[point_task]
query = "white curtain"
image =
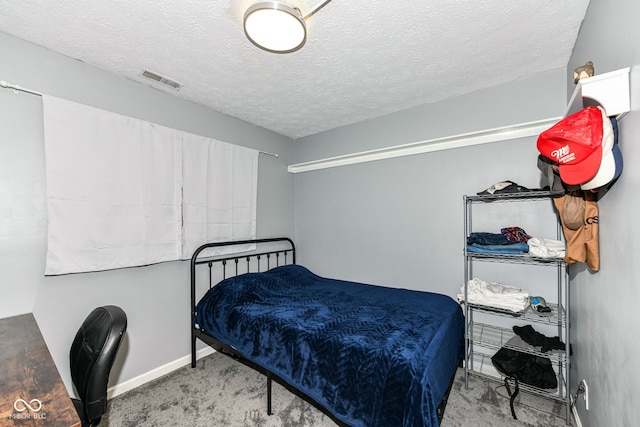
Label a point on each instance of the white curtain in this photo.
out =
(219, 194)
(115, 190)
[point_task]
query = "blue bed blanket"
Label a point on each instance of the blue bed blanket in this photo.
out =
(371, 355)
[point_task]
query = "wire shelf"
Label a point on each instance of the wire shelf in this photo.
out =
(514, 259)
(556, 317)
(483, 367)
(525, 195)
(495, 337)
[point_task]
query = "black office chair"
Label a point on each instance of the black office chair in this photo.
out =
(92, 354)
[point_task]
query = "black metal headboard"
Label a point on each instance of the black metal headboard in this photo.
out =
(269, 253)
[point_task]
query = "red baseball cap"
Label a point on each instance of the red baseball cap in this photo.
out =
(575, 143)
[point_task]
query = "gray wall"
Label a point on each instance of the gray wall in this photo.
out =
(605, 310)
(155, 297)
(409, 209)
(399, 222)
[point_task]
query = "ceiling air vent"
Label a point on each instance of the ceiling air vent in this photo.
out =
(162, 79)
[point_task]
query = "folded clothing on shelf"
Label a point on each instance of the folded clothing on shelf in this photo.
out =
(515, 234)
(504, 187)
(510, 241)
(546, 248)
(495, 295)
(507, 236)
(510, 249)
(514, 240)
(484, 238)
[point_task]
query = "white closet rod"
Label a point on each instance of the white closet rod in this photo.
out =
(7, 85)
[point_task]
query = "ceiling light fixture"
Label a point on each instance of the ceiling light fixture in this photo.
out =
(277, 27)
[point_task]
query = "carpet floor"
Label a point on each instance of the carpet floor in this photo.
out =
(222, 392)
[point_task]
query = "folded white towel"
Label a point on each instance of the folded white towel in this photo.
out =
(494, 294)
(546, 248)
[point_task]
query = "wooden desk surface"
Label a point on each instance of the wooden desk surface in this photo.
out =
(32, 393)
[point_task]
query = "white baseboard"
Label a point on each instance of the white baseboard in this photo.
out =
(118, 389)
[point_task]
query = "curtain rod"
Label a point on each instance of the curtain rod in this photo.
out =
(16, 88)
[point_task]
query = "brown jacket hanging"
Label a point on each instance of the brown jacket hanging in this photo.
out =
(582, 241)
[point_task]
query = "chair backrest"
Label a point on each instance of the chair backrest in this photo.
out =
(92, 354)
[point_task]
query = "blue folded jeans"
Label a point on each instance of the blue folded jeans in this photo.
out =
(487, 239)
(510, 249)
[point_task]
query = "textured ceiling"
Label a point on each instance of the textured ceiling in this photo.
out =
(361, 59)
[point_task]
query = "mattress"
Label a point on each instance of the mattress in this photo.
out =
(371, 355)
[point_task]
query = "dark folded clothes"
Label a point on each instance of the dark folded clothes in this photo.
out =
(515, 234)
(487, 239)
(504, 187)
(536, 339)
(509, 249)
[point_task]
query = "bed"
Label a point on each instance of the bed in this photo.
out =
(365, 355)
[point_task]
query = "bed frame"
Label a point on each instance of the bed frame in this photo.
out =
(280, 251)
